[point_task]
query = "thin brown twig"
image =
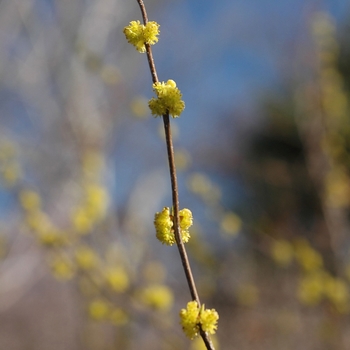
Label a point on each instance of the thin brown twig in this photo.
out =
(174, 189)
(179, 242)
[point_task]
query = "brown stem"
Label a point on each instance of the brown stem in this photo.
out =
(151, 64)
(175, 196)
(174, 190)
(143, 11)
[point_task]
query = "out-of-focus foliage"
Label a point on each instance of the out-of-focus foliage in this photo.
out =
(298, 170)
(274, 265)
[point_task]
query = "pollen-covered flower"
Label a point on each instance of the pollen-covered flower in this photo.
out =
(164, 223)
(186, 221)
(150, 32)
(138, 34)
(193, 317)
(168, 99)
(208, 320)
(189, 319)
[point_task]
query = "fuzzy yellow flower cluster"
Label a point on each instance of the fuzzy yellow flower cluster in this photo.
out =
(168, 99)
(101, 310)
(163, 223)
(308, 257)
(138, 34)
(62, 267)
(321, 285)
(98, 309)
(158, 296)
(117, 279)
(10, 168)
(282, 252)
(38, 222)
(92, 209)
(86, 258)
(194, 317)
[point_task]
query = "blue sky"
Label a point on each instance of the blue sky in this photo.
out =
(224, 55)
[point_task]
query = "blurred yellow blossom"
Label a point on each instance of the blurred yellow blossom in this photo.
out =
(93, 163)
(86, 258)
(117, 278)
(307, 257)
(201, 185)
(11, 173)
(231, 224)
(338, 188)
(282, 252)
(139, 107)
(30, 200)
(157, 296)
(337, 291)
(182, 159)
(62, 267)
(322, 25)
(52, 237)
(38, 222)
(119, 317)
(81, 221)
(311, 288)
(9, 166)
(321, 285)
(98, 310)
(96, 200)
